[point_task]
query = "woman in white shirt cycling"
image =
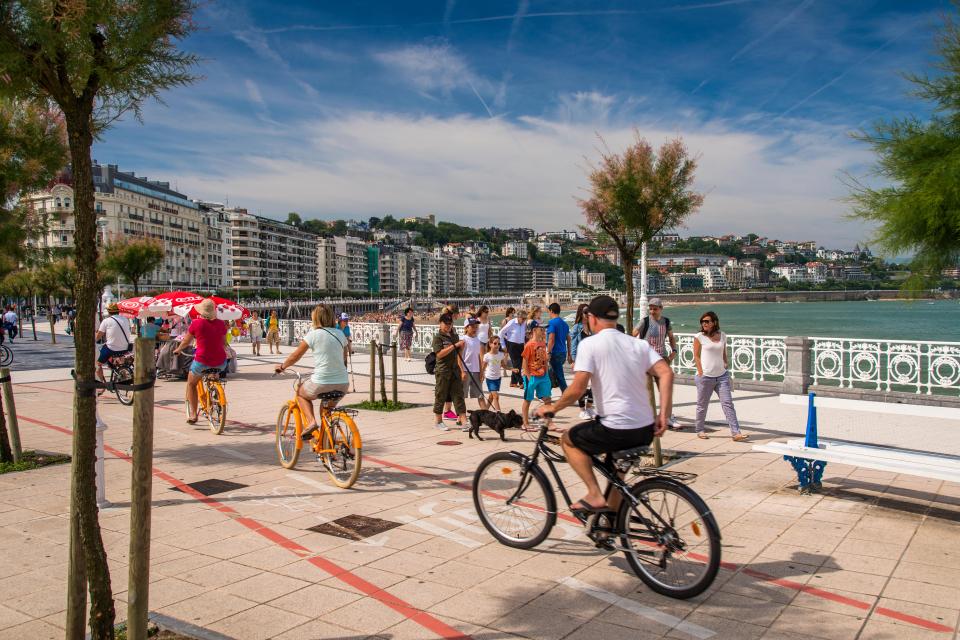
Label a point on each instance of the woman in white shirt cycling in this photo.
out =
(710, 356)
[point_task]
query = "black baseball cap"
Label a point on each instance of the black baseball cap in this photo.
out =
(604, 307)
(473, 321)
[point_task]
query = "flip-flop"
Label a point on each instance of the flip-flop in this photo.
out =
(588, 509)
(193, 420)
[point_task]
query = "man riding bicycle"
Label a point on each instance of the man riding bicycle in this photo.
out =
(114, 331)
(615, 365)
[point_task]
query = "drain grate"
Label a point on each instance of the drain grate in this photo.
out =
(213, 486)
(354, 527)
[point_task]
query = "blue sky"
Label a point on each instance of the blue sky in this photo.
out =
(488, 113)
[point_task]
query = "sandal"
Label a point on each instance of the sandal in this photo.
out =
(702, 435)
(580, 505)
(193, 420)
(740, 437)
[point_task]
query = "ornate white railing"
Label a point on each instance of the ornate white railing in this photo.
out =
(888, 365)
(360, 332)
(753, 357)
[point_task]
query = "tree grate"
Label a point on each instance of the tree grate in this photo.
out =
(213, 486)
(354, 527)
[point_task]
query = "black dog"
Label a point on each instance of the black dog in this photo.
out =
(496, 420)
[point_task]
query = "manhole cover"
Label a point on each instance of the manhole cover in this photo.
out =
(449, 443)
(354, 527)
(213, 486)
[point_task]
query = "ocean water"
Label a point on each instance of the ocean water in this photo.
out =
(936, 321)
(914, 320)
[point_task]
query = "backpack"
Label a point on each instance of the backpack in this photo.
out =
(430, 363)
(646, 325)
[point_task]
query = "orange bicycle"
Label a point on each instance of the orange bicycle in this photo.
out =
(336, 439)
(211, 400)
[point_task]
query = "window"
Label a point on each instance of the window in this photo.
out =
(66, 202)
(57, 202)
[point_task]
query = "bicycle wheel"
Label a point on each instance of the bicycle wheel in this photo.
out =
(341, 449)
(6, 356)
(122, 374)
(672, 539)
(217, 413)
(518, 509)
(287, 451)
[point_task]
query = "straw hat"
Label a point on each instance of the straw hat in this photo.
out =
(206, 309)
(113, 308)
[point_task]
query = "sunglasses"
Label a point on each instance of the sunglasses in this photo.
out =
(706, 321)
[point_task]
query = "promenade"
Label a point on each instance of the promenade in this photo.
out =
(875, 556)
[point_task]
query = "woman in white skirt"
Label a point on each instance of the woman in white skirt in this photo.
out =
(710, 356)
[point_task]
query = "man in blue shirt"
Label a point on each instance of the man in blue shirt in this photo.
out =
(558, 344)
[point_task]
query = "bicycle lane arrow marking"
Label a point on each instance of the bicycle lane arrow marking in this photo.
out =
(695, 630)
(424, 619)
(729, 566)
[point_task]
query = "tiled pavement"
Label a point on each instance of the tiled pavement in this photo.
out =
(876, 557)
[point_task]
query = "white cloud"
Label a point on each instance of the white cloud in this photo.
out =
(430, 67)
(586, 106)
(253, 92)
(481, 171)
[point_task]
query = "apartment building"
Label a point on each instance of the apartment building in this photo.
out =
(506, 276)
(515, 249)
(542, 279)
(288, 255)
(713, 277)
(684, 281)
(564, 279)
(593, 279)
(792, 273)
(130, 205)
(667, 261)
(550, 248)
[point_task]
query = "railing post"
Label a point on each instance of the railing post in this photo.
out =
(796, 380)
(373, 370)
(393, 363)
(13, 428)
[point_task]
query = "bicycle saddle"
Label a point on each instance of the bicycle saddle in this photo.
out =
(630, 454)
(331, 395)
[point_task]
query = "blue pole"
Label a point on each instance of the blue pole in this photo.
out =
(811, 440)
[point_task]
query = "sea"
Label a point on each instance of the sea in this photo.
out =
(933, 320)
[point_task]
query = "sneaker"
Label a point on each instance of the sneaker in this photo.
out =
(464, 428)
(441, 427)
(585, 415)
(450, 415)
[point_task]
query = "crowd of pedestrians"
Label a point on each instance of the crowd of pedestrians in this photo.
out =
(535, 355)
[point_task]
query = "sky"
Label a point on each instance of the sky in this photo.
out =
(491, 113)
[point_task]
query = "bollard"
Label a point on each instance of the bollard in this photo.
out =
(102, 502)
(373, 370)
(12, 426)
(141, 489)
(393, 363)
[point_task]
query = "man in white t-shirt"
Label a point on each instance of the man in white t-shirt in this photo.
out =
(609, 361)
(471, 355)
(114, 331)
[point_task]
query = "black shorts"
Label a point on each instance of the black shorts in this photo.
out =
(594, 438)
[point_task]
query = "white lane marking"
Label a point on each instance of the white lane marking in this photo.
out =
(316, 484)
(234, 454)
(464, 526)
(695, 630)
(429, 527)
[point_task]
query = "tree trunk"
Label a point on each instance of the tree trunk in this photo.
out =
(383, 375)
(84, 513)
(6, 453)
(136, 288)
(53, 327)
(628, 257)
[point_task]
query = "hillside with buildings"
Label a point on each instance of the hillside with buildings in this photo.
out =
(211, 246)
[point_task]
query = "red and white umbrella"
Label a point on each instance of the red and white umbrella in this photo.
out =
(166, 303)
(226, 310)
(131, 307)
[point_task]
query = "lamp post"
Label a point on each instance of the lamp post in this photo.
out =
(642, 303)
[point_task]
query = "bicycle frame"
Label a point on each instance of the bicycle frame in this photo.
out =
(323, 425)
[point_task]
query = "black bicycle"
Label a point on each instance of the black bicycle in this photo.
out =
(667, 532)
(6, 356)
(121, 377)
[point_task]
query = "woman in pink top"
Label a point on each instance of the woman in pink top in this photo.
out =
(211, 352)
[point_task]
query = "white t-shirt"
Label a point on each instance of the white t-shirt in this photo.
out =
(326, 345)
(116, 332)
(494, 370)
(10, 317)
(616, 363)
(483, 332)
(711, 355)
(471, 353)
(514, 331)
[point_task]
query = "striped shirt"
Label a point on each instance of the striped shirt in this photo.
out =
(657, 336)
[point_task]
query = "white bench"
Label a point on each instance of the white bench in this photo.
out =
(809, 461)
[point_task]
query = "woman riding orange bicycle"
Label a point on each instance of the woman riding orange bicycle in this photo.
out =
(329, 347)
(210, 335)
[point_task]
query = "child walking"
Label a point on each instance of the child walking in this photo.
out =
(492, 369)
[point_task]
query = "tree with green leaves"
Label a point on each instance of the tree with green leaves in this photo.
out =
(917, 206)
(56, 278)
(133, 259)
(94, 61)
(32, 151)
(637, 194)
(293, 218)
(21, 285)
